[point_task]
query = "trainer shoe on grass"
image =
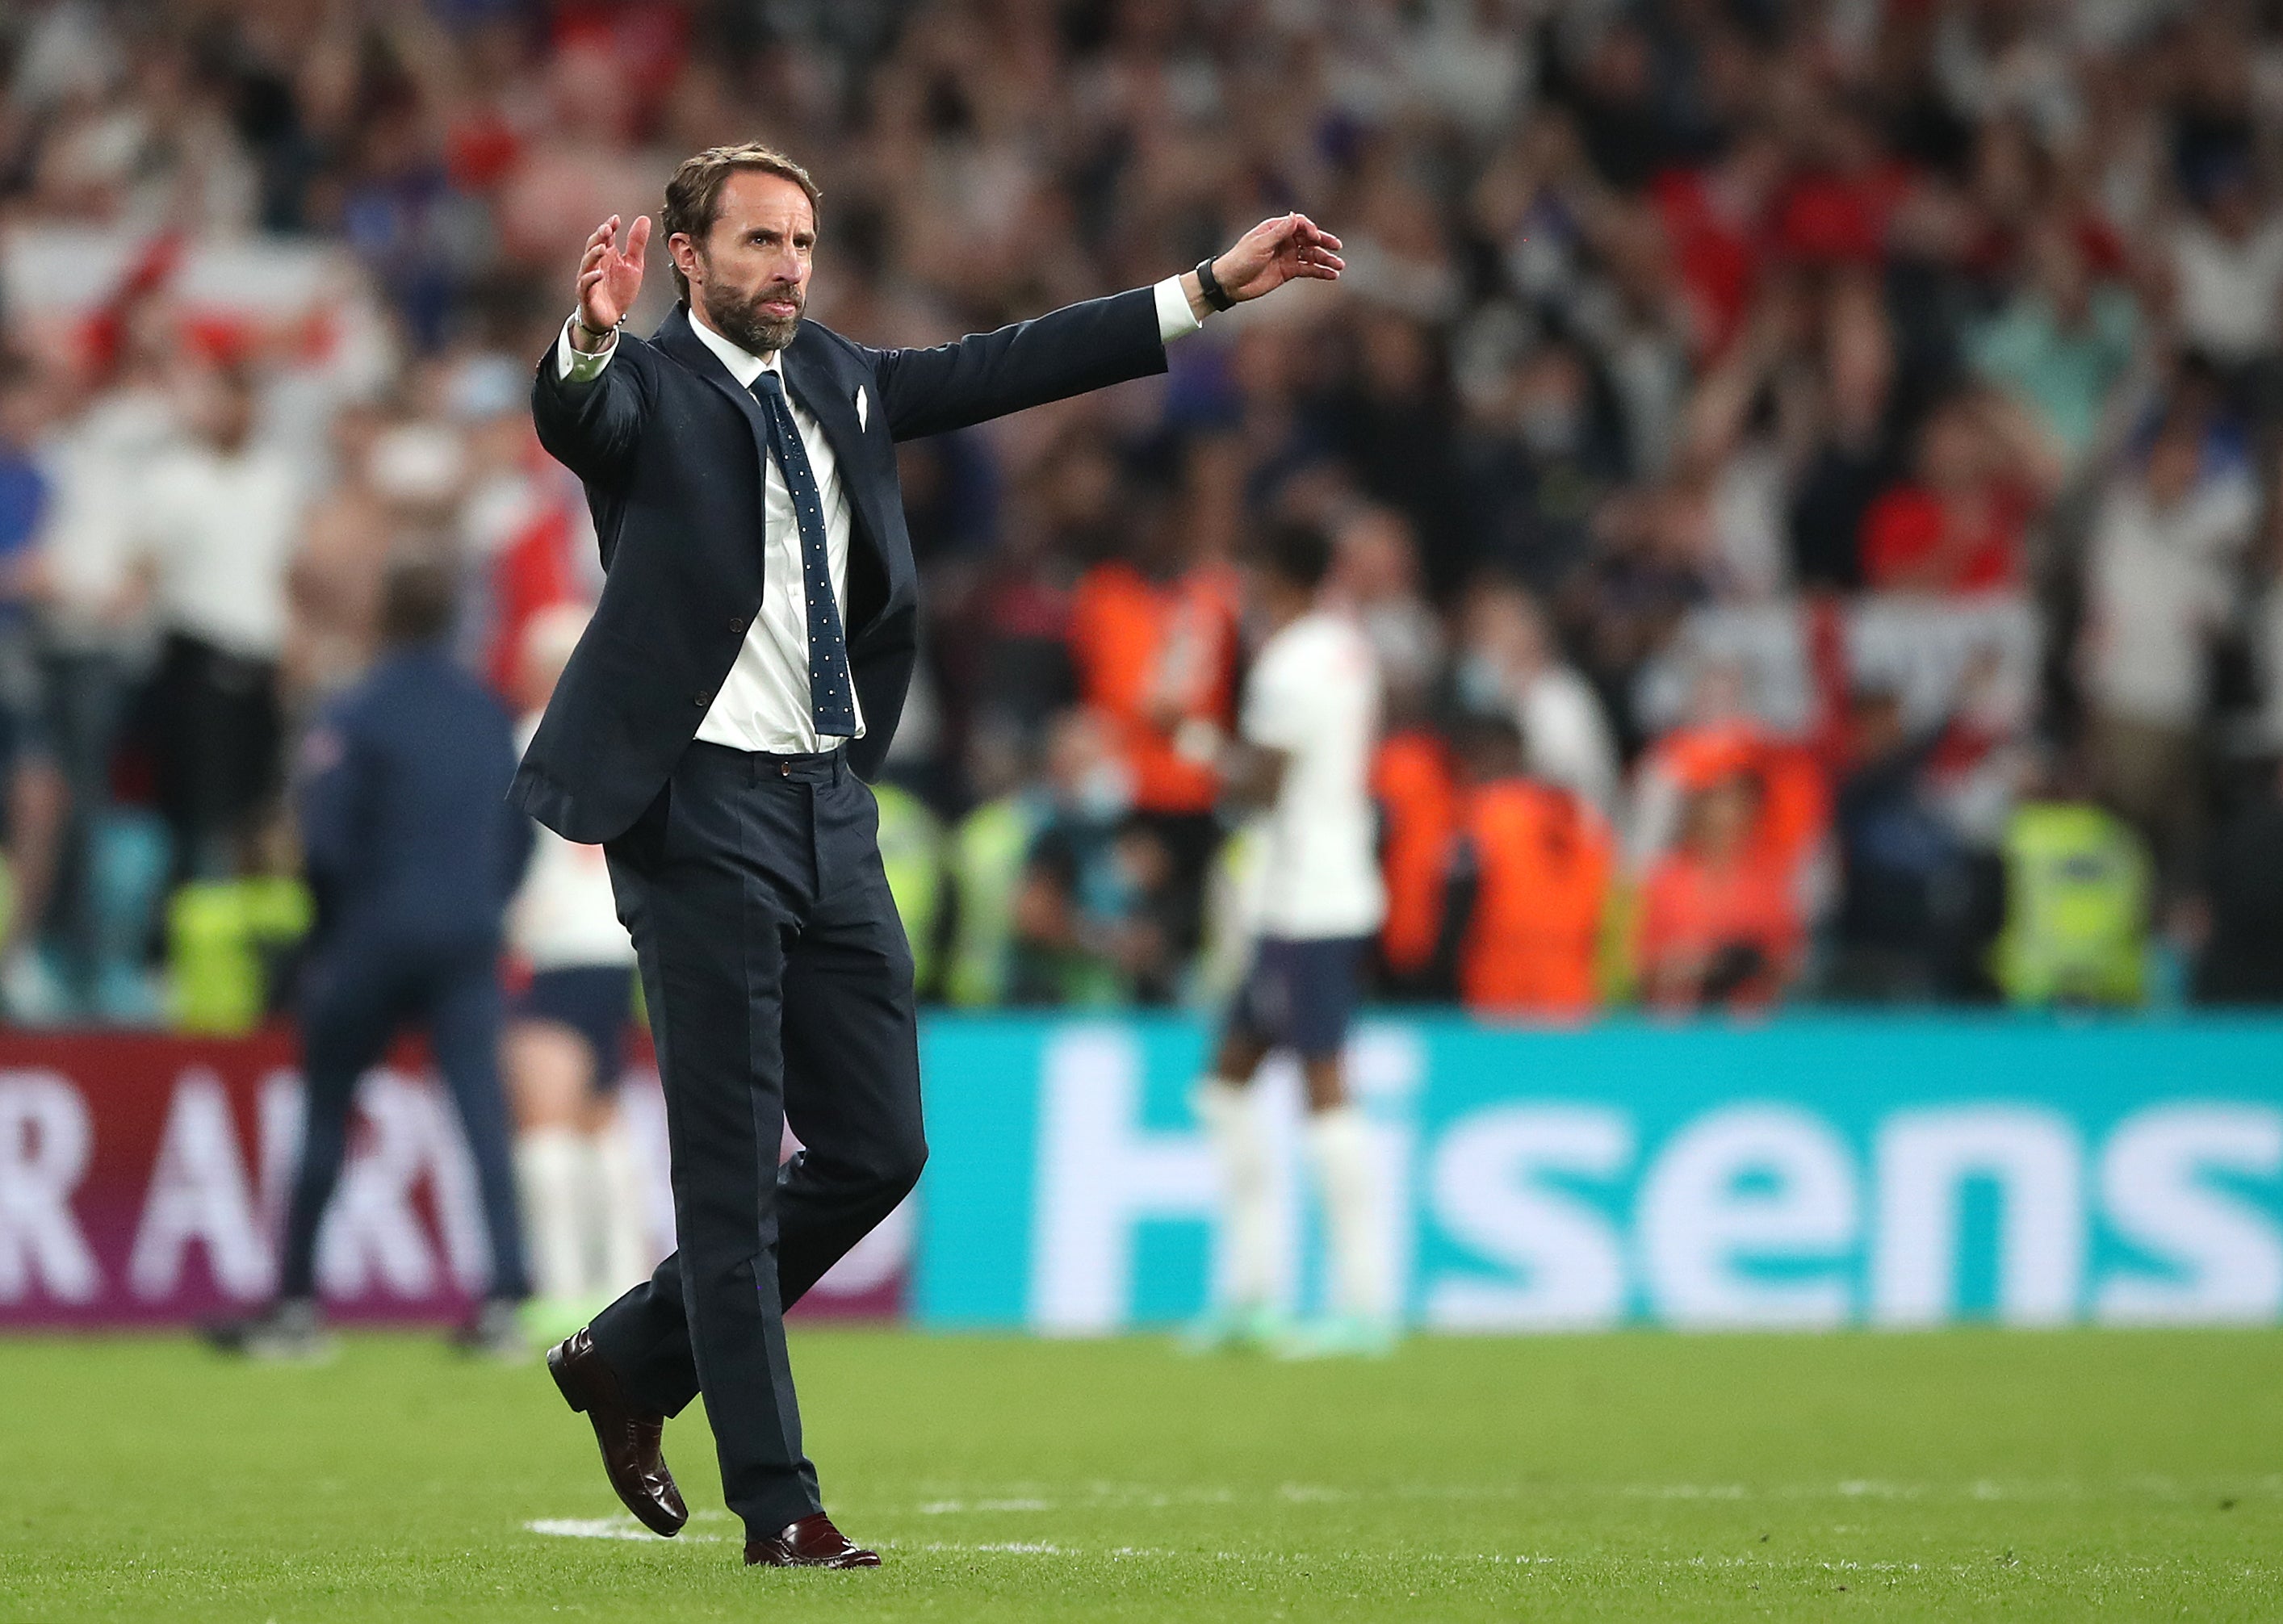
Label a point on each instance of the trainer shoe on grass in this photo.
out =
(1253, 1330)
(289, 1332)
(496, 1333)
(1340, 1336)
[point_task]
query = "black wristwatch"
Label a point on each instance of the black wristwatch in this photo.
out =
(1209, 285)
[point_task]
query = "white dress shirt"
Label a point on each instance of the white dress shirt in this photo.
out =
(765, 704)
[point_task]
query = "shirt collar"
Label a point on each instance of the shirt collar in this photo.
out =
(743, 365)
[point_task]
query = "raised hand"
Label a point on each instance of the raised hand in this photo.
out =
(609, 280)
(1276, 251)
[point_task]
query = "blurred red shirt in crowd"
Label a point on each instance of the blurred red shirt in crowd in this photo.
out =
(1957, 525)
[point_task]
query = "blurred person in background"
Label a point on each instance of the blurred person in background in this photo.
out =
(35, 794)
(1982, 473)
(1530, 875)
(1901, 863)
(1721, 734)
(564, 1048)
(1720, 925)
(1375, 577)
(92, 610)
(2079, 898)
(2062, 344)
(2160, 587)
(985, 852)
(332, 582)
(1415, 788)
(1310, 716)
(1080, 929)
(412, 853)
(1508, 659)
(2240, 919)
(217, 519)
(1153, 637)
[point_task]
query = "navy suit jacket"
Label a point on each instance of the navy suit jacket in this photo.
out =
(672, 451)
(407, 835)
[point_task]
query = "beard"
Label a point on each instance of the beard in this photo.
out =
(738, 318)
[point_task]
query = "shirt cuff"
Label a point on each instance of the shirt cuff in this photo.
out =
(1175, 319)
(576, 365)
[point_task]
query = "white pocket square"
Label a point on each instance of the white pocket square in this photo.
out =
(863, 408)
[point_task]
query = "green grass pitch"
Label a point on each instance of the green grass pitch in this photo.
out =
(1975, 1473)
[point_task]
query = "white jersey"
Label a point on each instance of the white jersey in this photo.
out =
(564, 916)
(1314, 695)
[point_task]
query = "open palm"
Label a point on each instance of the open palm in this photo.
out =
(609, 279)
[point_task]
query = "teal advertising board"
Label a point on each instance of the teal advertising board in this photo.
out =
(1806, 1172)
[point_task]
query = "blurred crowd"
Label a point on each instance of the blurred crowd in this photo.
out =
(1809, 470)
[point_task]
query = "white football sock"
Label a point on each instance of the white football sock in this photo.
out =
(550, 1165)
(1232, 1124)
(621, 1214)
(1340, 1147)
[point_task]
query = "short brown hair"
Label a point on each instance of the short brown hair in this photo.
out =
(693, 197)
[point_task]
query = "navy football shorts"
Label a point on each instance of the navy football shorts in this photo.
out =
(594, 1000)
(1300, 995)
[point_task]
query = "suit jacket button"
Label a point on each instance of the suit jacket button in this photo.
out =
(698, 700)
(737, 624)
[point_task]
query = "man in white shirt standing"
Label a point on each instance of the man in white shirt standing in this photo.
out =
(1310, 715)
(743, 673)
(217, 520)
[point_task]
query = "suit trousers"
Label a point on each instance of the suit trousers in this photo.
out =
(357, 993)
(779, 985)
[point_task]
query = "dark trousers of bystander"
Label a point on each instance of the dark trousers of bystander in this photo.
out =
(216, 740)
(357, 995)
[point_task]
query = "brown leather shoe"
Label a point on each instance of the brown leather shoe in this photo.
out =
(813, 1542)
(629, 1436)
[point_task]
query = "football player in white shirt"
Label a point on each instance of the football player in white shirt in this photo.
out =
(1307, 723)
(563, 1048)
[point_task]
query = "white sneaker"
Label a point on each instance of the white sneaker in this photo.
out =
(1340, 1336)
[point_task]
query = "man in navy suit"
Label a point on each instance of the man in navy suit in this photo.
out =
(741, 677)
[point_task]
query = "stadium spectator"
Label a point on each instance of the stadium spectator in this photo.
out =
(1901, 863)
(1154, 639)
(2166, 544)
(1530, 876)
(1958, 524)
(1720, 925)
(1083, 929)
(1508, 663)
(2077, 902)
(216, 519)
(1414, 786)
(2240, 959)
(34, 792)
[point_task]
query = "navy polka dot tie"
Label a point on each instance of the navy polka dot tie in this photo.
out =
(831, 693)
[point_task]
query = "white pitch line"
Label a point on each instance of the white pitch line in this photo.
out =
(608, 1528)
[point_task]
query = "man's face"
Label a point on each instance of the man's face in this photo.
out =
(750, 276)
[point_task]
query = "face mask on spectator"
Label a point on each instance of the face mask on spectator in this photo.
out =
(1482, 683)
(1103, 795)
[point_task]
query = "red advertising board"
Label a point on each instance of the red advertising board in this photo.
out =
(143, 1178)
